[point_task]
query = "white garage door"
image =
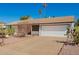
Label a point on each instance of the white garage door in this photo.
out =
(52, 30)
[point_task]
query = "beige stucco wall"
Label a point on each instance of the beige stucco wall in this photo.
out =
(23, 28)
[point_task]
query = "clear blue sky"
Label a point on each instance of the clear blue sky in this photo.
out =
(12, 12)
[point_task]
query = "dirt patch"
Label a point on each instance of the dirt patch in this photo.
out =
(32, 45)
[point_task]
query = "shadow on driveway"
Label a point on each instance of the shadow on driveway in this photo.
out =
(67, 42)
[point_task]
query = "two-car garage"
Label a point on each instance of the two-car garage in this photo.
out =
(58, 30)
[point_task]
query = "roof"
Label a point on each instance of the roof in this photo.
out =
(55, 20)
(65, 19)
(14, 23)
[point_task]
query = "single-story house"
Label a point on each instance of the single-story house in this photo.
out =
(56, 26)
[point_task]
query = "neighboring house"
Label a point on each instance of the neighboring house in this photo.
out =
(45, 26)
(2, 26)
(2, 29)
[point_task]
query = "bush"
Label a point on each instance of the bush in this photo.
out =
(76, 36)
(10, 30)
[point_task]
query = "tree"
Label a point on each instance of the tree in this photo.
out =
(10, 30)
(77, 22)
(76, 33)
(40, 11)
(24, 17)
(76, 36)
(53, 16)
(34, 4)
(44, 5)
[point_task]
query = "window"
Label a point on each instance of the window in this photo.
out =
(35, 28)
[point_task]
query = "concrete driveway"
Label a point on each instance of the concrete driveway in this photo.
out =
(32, 45)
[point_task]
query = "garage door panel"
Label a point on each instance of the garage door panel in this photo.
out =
(52, 33)
(52, 30)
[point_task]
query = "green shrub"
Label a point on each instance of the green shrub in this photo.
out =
(10, 30)
(76, 36)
